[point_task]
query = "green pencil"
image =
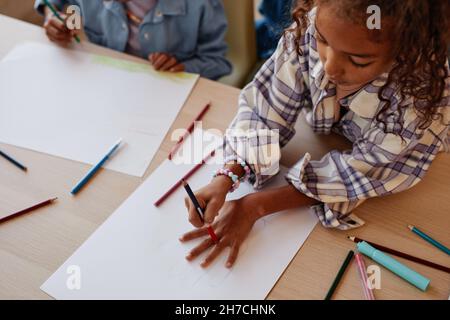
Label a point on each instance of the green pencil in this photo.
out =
(49, 5)
(340, 274)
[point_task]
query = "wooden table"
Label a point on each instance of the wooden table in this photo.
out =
(34, 246)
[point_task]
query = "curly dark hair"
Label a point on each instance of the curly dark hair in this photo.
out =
(419, 31)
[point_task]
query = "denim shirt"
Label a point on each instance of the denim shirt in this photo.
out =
(192, 31)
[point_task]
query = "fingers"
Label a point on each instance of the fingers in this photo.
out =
(57, 32)
(194, 217)
(160, 61)
(232, 256)
(194, 234)
(213, 254)
(57, 24)
(211, 211)
(198, 250)
(170, 63)
(177, 68)
(165, 62)
(205, 245)
(153, 56)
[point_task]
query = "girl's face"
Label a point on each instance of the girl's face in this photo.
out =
(349, 56)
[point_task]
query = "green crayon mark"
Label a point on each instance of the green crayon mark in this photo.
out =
(140, 68)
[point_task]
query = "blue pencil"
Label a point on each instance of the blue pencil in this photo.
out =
(429, 239)
(95, 168)
(13, 161)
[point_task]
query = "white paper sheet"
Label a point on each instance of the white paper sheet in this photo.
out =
(136, 254)
(76, 105)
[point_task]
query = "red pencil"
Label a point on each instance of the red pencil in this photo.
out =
(185, 177)
(24, 211)
(189, 131)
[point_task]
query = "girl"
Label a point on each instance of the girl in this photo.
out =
(386, 90)
(174, 35)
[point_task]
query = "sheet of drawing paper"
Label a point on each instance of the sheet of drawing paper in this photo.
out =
(76, 105)
(136, 254)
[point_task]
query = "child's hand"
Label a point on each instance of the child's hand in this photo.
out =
(211, 198)
(57, 31)
(165, 62)
(232, 227)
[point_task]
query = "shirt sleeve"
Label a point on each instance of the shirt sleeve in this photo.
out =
(58, 4)
(379, 164)
(268, 109)
(209, 59)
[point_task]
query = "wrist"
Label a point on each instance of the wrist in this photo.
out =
(255, 203)
(222, 183)
(236, 168)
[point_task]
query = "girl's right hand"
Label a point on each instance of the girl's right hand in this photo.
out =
(57, 31)
(211, 198)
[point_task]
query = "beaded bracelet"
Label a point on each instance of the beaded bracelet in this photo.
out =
(245, 167)
(234, 177)
(231, 175)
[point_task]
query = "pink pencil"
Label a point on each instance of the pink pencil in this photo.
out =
(368, 293)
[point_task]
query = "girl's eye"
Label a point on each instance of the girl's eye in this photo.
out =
(360, 65)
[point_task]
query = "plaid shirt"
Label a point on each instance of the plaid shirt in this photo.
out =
(380, 163)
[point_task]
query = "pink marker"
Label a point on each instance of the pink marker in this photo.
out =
(368, 293)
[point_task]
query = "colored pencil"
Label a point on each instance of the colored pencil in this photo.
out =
(53, 10)
(188, 131)
(13, 161)
(27, 210)
(194, 200)
(185, 177)
(95, 168)
(429, 239)
(402, 255)
(200, 211)
(339, 275)
(359, 260)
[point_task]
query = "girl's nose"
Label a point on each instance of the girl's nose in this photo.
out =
(333, 66)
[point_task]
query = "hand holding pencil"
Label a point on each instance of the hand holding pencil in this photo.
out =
(55, 27)
(211, 198)
(231, 228)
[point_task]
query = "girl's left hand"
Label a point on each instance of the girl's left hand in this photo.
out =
(232, 226)
(165, 62)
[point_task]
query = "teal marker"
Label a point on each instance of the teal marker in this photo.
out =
(393, 265)
(429, 239)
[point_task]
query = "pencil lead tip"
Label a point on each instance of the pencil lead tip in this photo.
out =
(410, 227)
(351, 238)
(54, 199)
